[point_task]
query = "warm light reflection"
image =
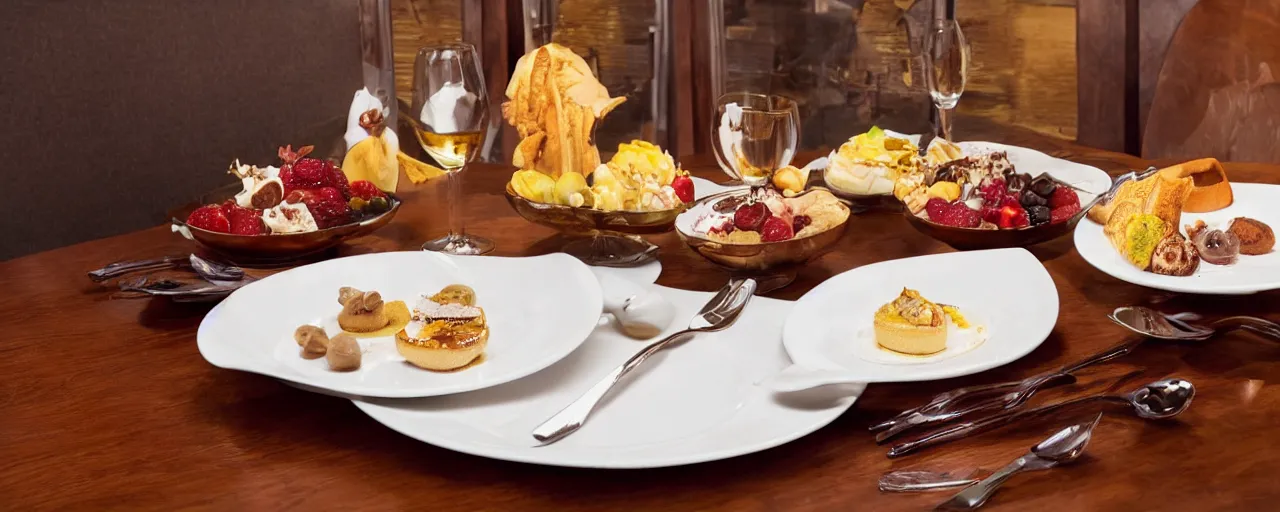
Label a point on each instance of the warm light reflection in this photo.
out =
(1250, 390)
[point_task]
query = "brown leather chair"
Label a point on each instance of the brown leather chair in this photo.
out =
(1218, 93)
(118, 110)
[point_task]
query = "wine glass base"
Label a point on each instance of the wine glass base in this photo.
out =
(461, 245)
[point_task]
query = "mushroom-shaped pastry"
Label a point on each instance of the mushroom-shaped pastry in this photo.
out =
(313, 340)
(344, 353)
(361, 311)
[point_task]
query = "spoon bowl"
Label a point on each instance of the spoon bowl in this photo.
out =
(1178, 327)
(1162, 399)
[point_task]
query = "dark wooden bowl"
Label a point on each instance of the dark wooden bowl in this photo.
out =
(972, 238)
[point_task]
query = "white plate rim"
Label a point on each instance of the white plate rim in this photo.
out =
(226, 360)
(921, 373)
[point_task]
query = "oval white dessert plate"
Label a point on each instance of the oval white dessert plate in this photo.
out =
(1007, 292)
(703, 187)
(539, 310)
(698, 401)
(1250, 274)
(1089, 181)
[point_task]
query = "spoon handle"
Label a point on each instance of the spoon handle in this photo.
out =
(119, 268)
(1251, 323)
(975, 496)
(966, 429)
(574, 415)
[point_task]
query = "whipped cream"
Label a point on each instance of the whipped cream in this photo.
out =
(428, 309)
(289, 218)
(365, 101)
(441, 111)
(254, 179)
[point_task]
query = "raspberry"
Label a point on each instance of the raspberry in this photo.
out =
(326, 205)
(990, 213)
(1064, 213)
(366, 190)
(244, 221)
(775, 230)
(210, 218)
(937, 207)
(799, 222)
(338, 180)
(750, 217)
(993, 190)
(1063, 196)
(959, 215)
(307, 173)
(683, 185)
(1012, 217)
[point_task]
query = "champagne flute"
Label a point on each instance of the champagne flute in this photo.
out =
(946, 67)
(755, 135)
(452, 110)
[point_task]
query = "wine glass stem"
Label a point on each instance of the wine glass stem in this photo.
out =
(944, 123)
(457, 225)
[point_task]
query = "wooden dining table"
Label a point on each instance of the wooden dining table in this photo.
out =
(106, 403)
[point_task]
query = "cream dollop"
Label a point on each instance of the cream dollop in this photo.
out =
(365, 101)
(289, 218)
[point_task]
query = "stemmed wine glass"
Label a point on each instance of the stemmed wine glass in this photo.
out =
(754, 135)
(946, 67)
(452, 115)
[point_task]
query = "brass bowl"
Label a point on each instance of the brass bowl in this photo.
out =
(585, 221)
(283, 248)
(762, 256)
(974, 238)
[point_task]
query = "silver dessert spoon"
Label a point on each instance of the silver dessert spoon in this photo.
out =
(1065, 446)
(1151, 323)
(718, 314)
(1158, 400)
(205, 268)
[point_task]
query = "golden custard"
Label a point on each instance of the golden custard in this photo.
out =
(911, 324)
(446, 333)
(398, 317)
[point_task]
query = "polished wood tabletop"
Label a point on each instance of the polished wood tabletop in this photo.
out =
(106, 403)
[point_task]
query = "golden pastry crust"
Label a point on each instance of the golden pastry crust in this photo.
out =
(1255, 237)
(911, 324)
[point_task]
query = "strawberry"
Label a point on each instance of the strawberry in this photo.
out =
(326, 205)
(338, 179)
(683, 186)
(365, 190)
(990, 213)
(750, 217)
(936, 207)
(1012, 217)
(775, 229)
(1063, 196)
(244, 221)
(210, 217)
(1065, 212)
(959, 215)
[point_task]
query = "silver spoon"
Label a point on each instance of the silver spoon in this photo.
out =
(718, 314)
(1154, 324)
(207, 269)
(1158, 400)
(1060, 448)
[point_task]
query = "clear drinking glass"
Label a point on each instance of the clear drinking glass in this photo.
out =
(946, 67)
(451, 111)
(754, 135)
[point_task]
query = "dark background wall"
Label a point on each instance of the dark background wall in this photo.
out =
(114, 111)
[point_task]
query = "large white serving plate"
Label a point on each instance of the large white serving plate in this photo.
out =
(1250, 274)
(1006, 290)
(698, 401)
(539, 310)
(1088, 181)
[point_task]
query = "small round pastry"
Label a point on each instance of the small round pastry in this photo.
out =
(344, 353)
(361, 311)
(304, 334)
(911, 325)
(1175, 256)
(443, 337)
(1255, 236)
(315, 348)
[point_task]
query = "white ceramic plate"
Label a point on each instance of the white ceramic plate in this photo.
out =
(539, 310)
(1250, 274)
(703, 188)
(698, 401)
(1007, 291)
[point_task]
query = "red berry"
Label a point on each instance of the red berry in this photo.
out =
(937, 207)
(338, 180)
(308, 173)
(210, 218)
(959, 215)
(366, 190)
(1063, 196)
(326, 205)
(1063, 213)
(1012, 217)
(776, 230)
(244, 221)
(993, 190)
(990, 213)
(749, 217)
(683, 186)
(800, 222)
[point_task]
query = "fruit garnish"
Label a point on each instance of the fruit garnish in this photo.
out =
(534, 186)
(326, 204)
(1063, 213)
(683, 185)
(959, 215)
(993, 191)
(775, 229)
(947, 190)
(244, 221)
(990, 213)
(799, 222)
(378, 205)
(936, 207)
(571, 189)
(1063, 196)
(210, 218)
(750, 217)
(1012, 217)
(366, 190)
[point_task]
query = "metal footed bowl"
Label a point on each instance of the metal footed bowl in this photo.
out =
(973, 238)
(759, 257)
(586, 221)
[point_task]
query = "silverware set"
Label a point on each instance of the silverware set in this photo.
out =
(216, 280)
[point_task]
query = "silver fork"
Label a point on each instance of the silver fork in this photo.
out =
(718, 314)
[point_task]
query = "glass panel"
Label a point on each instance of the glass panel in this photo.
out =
(619, 39)
(849, 64)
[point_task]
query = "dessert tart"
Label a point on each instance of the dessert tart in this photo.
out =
(1211, 191)
(911, 324)
(446, 333)
(361, 311)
